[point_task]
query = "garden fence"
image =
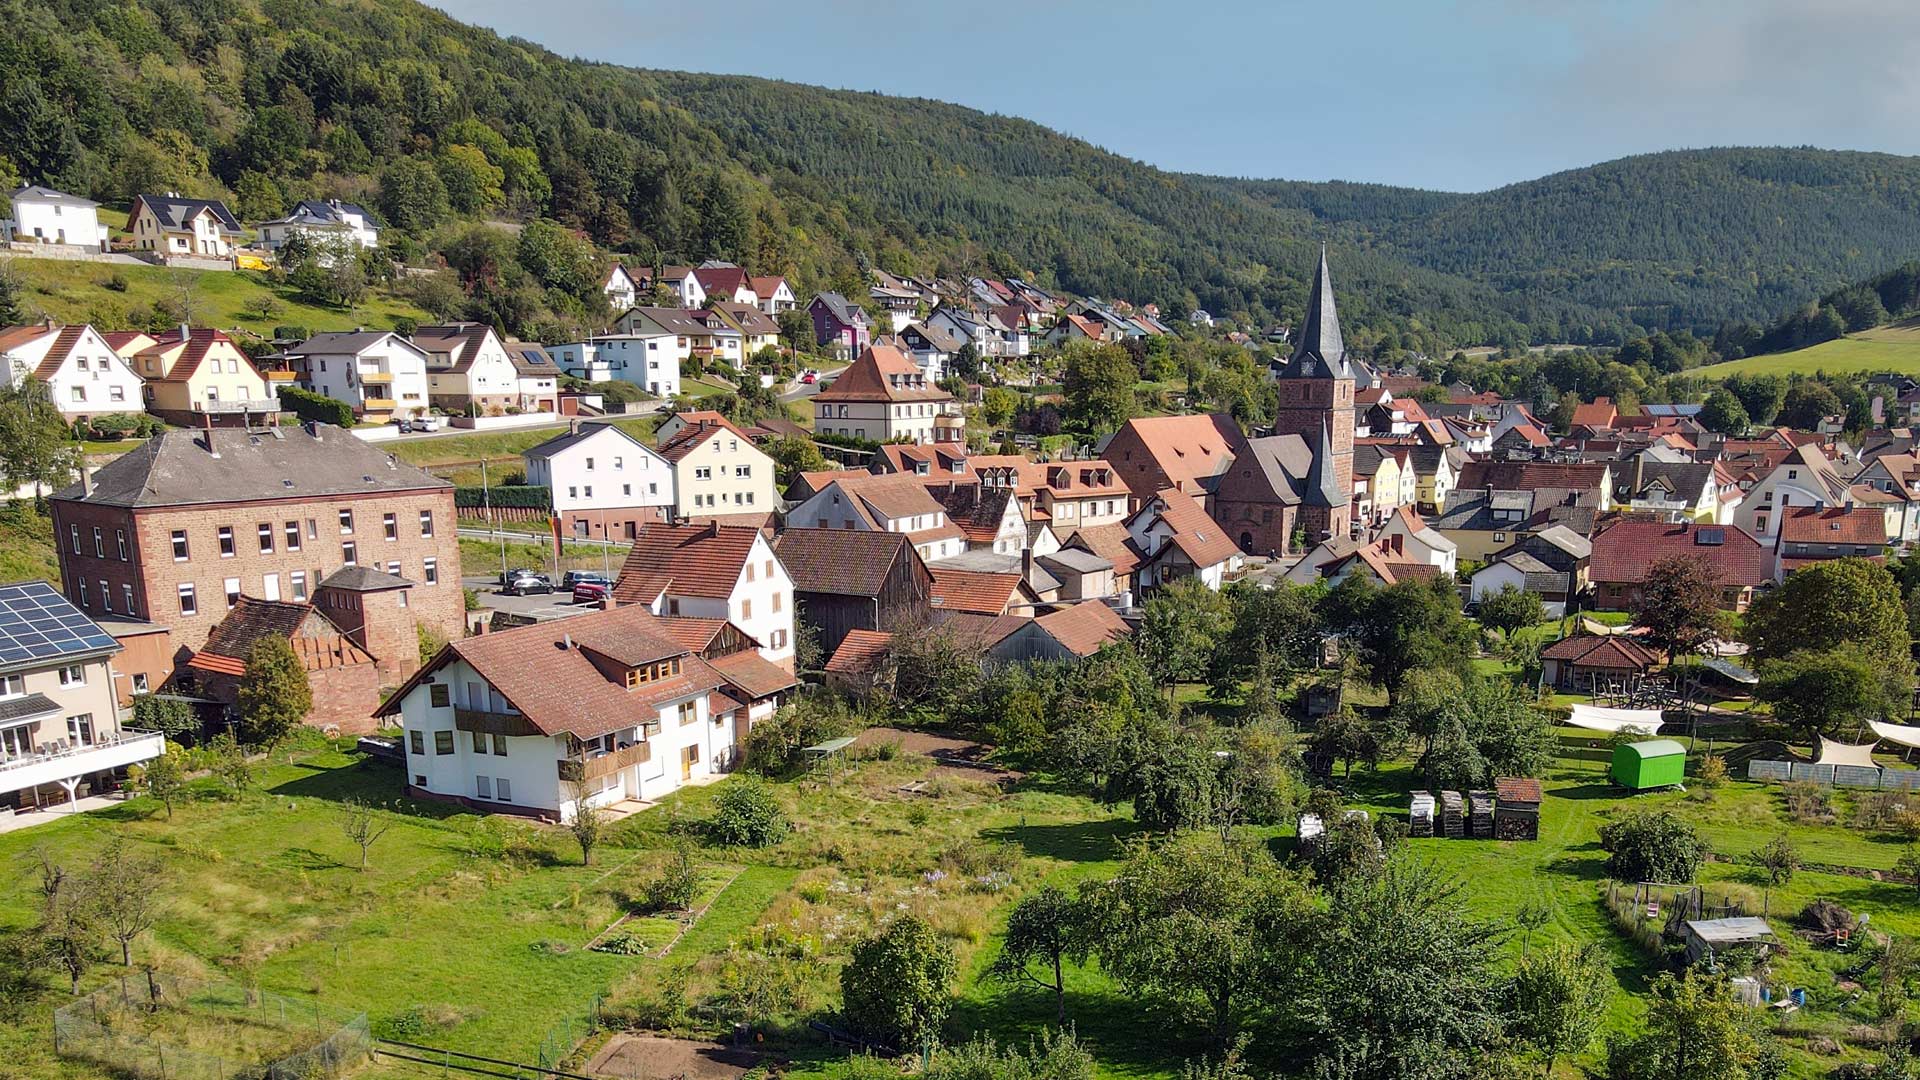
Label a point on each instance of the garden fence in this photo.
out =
(169, 1028)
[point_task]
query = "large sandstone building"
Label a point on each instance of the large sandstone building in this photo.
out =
(176, 531)
(1316, 403)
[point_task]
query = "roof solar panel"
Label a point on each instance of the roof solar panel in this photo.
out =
(37, 623)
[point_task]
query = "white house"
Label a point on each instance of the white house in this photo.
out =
(648, 359)
(775, 294)
(378, 372)
(713, 571)
(896, 502)
(1176, 539)
(326, 222)
(171, 225)
(80, 369)
(41, 215)
(468, 368)
(602, 708)
(1420, 543)
(599, 467)
(683, 335)
(621, 288)
(686, 287)
(1805, 479)
(885, 397)
(536, 377)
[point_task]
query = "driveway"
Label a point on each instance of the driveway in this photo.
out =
(557, 605)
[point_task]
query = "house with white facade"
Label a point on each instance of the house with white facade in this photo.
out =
(604, 708)
(725, 282)
(536, 377)
(170, 225)
(378, 372)
(60, 733)
(775, 294)
(325, 222)
(41, 215)
(897, 502)
(718, 471)
(1176, 539)
(683, 335)
(621, 288)
(469, 369)
(1896, 480)
(680, 279)
(645, 360)
(885, 397)
(1804, 479)
(81, 371)
(713, 571)
(1419, 542)
(605, 482)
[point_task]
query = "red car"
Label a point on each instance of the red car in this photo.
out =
(589, 592)
(808, 379)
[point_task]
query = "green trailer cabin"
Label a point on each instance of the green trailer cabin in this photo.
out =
(1650, 764)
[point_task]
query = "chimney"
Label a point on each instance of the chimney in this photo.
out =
(206, 434)
(86, 478)
(1026, 563)
(185, 331)
(573, 426)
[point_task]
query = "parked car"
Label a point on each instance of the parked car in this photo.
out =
(809, 379)
(427, 423)
(574, 577)
(591, 592)
(518, 571)
(528, 585)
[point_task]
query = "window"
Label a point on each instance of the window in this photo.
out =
(391, 524)
(99, 544)
(74, 531)
(120, 540)
(106, 595)
(432, 568)
(779, 639)
(442, 743)
(346, 521)
(426, 523)
(187, 604)
(417, 742)
(73, 675)
(1499, 538)
(126, 597)
(297, 584)
(293, 536)
(688, 712)
(749, 571)
(618, 462)
(573, 492)
(12, 685)
(770, 574)
(404, 602)
(743, 470)
(266, 537)
(589, 464)
(393, 567)
(503, 791)
(439, 695)
(270, 587)
(703, 473)
(313, 529)
(588, 490)
(139, 682)
(84, 602)
(80, 729)
(479, 742)
(348, 554)
(746, 609)
(233, 592)
(483, 788)
(225, 532)
(500, 747)
(776, 603)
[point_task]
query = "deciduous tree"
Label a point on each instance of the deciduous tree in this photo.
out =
(1556, 999)
(897, 987)
(1679, 604)
(1044, 930)
(274, 694)
(1694, 1030)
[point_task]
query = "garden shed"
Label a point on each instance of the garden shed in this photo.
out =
(1516, 815)
(1708, 937)
(1650, 764)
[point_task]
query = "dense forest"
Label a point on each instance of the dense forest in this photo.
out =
(435, 123)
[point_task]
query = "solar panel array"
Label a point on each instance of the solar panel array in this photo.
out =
(37, 623)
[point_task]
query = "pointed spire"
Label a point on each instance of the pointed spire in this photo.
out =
(1318, 351)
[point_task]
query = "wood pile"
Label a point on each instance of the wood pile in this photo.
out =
(1453, 823)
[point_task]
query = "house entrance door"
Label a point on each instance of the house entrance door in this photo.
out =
(688, 755)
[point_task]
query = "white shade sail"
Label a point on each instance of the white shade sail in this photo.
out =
(1839, 753)
(1596, 718)
(1904, 734)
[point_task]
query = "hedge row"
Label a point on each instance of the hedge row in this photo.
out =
(319, 408)
(532, 496)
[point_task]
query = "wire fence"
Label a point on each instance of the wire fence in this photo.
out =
(565, 1036)
(169, 1028)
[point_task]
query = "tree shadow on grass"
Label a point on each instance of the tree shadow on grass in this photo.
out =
(1127, 1036)
(376, 783)
(1589, 792)
(1086, 841)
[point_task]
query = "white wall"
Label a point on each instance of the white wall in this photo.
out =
(605, 471)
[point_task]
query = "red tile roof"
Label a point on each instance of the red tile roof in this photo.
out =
(859, 651)
(314, 638)
(1598, 415)
(882, 373)
(1516, 789)
(1110, 542)
(1834, 525)
(973, 591)
(695, 435)
(1600, 650)
(701, 560)
(1622, 554)
(844, 562)
(752, 674)
(1083, 628)
(1198, 536)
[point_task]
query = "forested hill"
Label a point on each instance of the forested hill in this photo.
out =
(432, 121)
(1690, 238)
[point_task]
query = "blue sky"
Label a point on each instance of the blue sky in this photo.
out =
(1459, 96)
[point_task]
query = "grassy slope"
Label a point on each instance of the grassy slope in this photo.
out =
(26, 545)
(78, 292)
(1886, 349)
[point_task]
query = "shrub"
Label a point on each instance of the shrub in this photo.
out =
(746, 814)
(291, 333)
(897, 988)
(1652, 845)
(1807, 801)
(116, 281)
(533, 496)
(677, 886)
(318, 408)
(405, 325)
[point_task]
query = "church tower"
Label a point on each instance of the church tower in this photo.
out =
(1316, 403)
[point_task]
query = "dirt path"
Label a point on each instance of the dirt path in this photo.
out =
(964, 757)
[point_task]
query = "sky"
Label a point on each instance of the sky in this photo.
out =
(1457, 96)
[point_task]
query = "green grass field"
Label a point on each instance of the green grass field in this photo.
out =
(80, 292)
(26, 544)
(1889, 348)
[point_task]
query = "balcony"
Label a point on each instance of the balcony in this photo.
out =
(281, 376)
(378, 404)
(382, 377)
(597, 765)
(61, 761)
(493, 723)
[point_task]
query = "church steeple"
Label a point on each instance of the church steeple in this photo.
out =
(1318, 351)
(1323, 486)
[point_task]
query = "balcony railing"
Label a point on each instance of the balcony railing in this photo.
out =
(493, 723)
(281, 376)
(376, 376)
(378, 403)
(238, 405)
(594, 766)
(62, 760)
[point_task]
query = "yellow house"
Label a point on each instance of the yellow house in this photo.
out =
(171, 225)
(717, 471)
(196, 374)
(1389, 486)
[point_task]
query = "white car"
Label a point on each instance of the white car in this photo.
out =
(421, 423)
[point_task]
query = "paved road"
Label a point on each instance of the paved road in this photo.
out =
(476, 532)
(803, 391)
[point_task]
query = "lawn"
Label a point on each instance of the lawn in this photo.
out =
(1890, 348)
(244, 299)
(26, 544)
(450, 454)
